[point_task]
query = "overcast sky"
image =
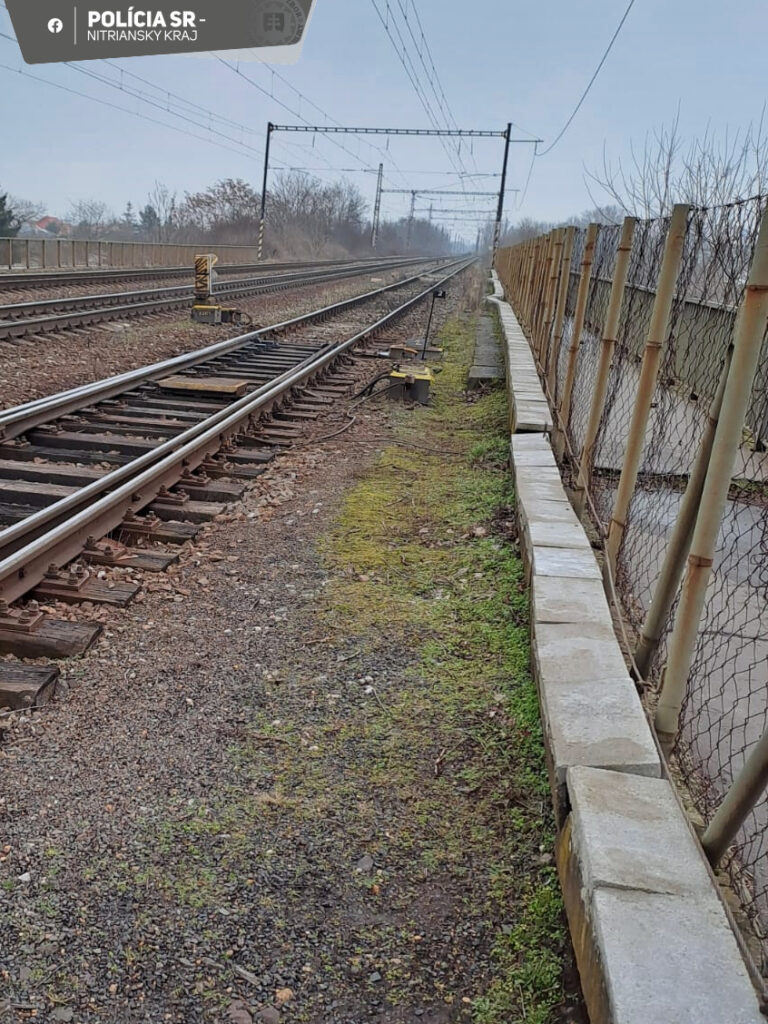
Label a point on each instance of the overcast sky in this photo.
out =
(498, 61)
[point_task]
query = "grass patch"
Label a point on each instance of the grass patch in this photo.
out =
(425, 558)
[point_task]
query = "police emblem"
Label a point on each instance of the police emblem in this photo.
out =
(279, 22)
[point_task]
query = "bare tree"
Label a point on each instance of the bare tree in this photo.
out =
(709, 171)
(165, 205)
(90, 215)
(226, 212)
(27, 210)
(328, 216)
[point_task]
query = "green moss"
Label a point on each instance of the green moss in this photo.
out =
(419, 562)
(442, 766)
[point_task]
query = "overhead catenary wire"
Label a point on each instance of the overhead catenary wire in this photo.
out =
(181, 100)
(540, 153)
(433, 78)
(276, 74)
(116, 106)
(413, 76)
(236, 69)
(591, 82)
(105, 80)
(296, 113)
(171, 100)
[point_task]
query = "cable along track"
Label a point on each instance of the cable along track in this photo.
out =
(78, 465)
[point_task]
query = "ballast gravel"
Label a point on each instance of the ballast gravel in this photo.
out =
(127, 894)
(33, 367)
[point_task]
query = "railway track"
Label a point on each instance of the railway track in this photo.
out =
(21, 319)
(20, 280)
(149, 455)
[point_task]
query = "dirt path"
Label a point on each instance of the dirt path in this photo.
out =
(302, 780)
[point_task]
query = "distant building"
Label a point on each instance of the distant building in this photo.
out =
(28, 230)
(53, 227)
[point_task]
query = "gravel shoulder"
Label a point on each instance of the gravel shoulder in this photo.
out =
(302, 778)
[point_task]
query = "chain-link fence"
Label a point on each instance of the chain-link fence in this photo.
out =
(725, 710)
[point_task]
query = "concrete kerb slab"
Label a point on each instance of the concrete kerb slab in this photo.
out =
(488, 362)
(529, 411)
(498, 290)
(594, 723)
(570, 653)
(578, 564)
(652, 939)
(630, 834)
(557, 599)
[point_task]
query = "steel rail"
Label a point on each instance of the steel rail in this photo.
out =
(125, 304)
(182, 291)
(25, 567)
(21, 418)
(21, 279)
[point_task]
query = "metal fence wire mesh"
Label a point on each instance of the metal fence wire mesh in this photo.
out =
(726, 706)
(607, 455)
(579, 240)
(601, 275)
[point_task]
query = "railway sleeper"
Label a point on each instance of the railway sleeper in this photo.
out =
(106, 443)
(47, 637)
(76, 476)
(150, 527)
(76, 586)
(26, 686)
(34, 494)
(89, 424)
(63, 456)
(170, 509)
(202, 488)
(295, 414)
(166, 413)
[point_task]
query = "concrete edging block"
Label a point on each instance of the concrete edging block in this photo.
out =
(568, 600)
(577, 563)
(652, 939)
(577, 652)
(597, 724)
(528, 408)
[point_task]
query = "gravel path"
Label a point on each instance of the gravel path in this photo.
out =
(219, 821)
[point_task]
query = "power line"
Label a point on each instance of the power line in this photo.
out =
(142, 97)
(297, 114)
(591, 82)
(115, 106)
(433, 78)
(319, 109)
(469, 175)
(438, 192)
(528, 179)
(412, 74)
(434, 210)
(180, 100)
(137, 94)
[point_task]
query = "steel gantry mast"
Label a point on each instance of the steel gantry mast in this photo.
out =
(377, 207)
(444, 132)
